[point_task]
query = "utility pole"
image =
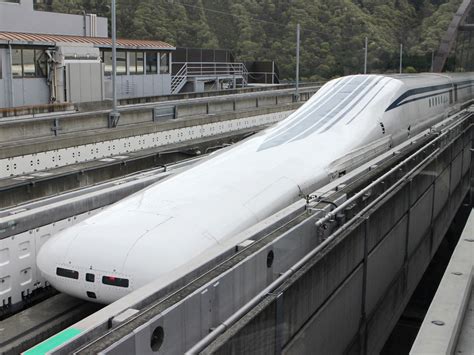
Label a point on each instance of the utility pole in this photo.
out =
(366, 54)
(401, 58)
(432, 60)
(297, 93)
(114, 115)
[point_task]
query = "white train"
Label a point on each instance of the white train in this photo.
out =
(162, 230)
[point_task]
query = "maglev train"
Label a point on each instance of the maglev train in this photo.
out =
(186, 219)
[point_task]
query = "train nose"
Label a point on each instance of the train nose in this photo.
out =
(87, 260)
(73, 264)
(45, 260)
(51, 263)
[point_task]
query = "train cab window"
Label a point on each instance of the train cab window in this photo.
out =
(90, 277)
(114, 281)
(71, 274)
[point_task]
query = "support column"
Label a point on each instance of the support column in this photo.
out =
(10, 96)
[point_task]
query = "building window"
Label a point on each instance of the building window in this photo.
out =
(29, 63)
(135, 65)
(140, 64)
(107, 60)
(164, 63)
(121, 63)
(17, 70)
(151, 63)
(41, 66)
(132, 64)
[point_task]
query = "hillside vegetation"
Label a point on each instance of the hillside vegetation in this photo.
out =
(332, 38)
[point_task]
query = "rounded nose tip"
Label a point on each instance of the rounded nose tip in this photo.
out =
(45, 260)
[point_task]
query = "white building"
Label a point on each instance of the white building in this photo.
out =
(49, 57)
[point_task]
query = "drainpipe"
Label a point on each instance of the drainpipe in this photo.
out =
(10, 77)
(52, 77)
(84, 15)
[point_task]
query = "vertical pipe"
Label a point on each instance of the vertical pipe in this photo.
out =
(114, 58)
(114, 115)
(401, 58)
(297, 61)
(432, 61)
(273, 73)
(84, 25)
(10, 77)
(366, 52)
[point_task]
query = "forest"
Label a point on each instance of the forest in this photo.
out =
(333, 32)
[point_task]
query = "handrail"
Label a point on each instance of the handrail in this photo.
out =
(203, 69)
(178, 80)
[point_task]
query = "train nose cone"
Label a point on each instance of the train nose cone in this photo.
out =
(52, 255)
(84, 258)
(47, 257)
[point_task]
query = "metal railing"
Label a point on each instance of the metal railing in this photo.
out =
(179, 79)
(207, 69)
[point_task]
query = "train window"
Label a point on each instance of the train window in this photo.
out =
(71, 274)
(114, 281)
(90, 277)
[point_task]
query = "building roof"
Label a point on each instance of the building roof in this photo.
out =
(102, 42)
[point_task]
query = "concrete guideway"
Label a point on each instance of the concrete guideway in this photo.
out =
(448, 327)
(29, 145)
(436, 174)
(20, 189)
(23, 330)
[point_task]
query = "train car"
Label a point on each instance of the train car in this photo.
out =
(171, 227)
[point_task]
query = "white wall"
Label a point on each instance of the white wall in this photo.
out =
(129, 86)
(3, 82)
(22, 18)
(30, 91)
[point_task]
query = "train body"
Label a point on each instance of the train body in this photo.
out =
(185, 220)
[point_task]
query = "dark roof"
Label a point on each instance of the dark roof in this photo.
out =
(102, 42)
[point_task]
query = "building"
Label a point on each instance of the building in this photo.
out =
(54, 58)
(50, 57)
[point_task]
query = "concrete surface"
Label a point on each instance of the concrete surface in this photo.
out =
(449, 324)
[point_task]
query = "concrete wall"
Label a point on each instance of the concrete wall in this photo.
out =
(21, 18)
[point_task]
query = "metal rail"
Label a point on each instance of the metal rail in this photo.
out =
(361, 193)
(218, 70)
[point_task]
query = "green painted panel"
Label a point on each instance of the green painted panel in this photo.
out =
(53, 342)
